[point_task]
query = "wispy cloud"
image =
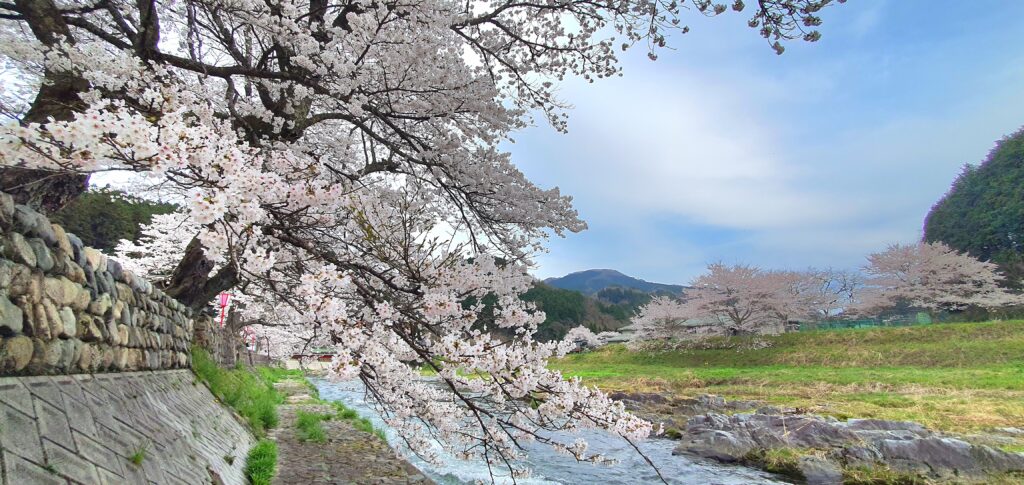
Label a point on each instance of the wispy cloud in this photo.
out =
(812, 159)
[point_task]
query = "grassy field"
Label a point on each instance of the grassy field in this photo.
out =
(965, 377)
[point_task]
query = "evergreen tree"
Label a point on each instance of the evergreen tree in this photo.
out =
(983, 212)
(104, 216)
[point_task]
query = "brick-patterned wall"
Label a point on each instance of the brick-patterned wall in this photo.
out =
(66, 308)
(85, 429)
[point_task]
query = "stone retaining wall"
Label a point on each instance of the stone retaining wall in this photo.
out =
(66, 308)
(86, 429)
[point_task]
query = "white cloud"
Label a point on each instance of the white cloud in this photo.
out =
(795, 177)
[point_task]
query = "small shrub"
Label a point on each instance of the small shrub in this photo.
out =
(138, 456)
(261, 463)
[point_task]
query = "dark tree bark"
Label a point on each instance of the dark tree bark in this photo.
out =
(58, 99)
(191, 284)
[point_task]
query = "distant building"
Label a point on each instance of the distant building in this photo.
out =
(625, 334)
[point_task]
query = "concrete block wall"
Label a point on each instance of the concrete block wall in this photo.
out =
(138, 428)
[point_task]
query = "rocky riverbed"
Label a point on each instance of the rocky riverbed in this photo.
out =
(824, 449)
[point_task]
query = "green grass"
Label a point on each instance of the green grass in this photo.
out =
(952, 377)
(277, 374)
(362, 424)
(261, 462)
(138, 456)
(309, 426)
(783, 461)
(250, 393)
(880, 475)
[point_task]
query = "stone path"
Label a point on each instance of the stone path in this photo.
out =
(349, 456)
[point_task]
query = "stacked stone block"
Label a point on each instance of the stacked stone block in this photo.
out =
(66, 308)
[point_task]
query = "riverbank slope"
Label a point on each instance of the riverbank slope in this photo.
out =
(964, 378)
(964, 381)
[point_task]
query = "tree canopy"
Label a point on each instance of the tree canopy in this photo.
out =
(567, 309)
(102, 218)
(983, 212)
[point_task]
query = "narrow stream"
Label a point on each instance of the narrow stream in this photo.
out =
(553, 468)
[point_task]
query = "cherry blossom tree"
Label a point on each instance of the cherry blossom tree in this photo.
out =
(340, 160)
(159, 248)
(934, 277)
(662, 318)
(833, 291)
(581, 338)
(730, 300)
(746, 298)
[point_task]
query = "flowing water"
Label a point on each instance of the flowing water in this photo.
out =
(553, 468)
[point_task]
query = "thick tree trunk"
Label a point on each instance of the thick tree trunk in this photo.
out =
(191, 283)
(57, 99)
(42, 190)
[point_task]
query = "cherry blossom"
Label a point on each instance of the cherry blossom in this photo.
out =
(337, 165)
(931, 276)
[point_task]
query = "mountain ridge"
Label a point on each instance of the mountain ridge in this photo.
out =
(591, 281)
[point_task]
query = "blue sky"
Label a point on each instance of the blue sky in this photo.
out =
(721, 150)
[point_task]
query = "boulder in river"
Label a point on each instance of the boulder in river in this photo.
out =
(902, 446)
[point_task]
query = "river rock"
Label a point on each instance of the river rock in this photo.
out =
(69, 323)
(24, 219)
(115, 270)
(96, 260)
(77, 250)
(11, 317)
(948, 457)
(63, 243)
(6, 211)
(122, 334)
(61, 290)
(73, 271)
(904, 446)
(26, 283)
(68, 351)
(100, 305)
(44, 259)
(19, 250)
(7, 270)
(111, 334)
(106, 357)
(820, 471)
(90, 331)
(86, 356)
(15, 353)
(46, 356)
(38, 323)
(718, 445)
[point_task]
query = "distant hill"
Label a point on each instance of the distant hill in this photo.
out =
(591, 281)
(566, 309)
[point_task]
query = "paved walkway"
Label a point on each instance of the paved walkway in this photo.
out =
(349, 456)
